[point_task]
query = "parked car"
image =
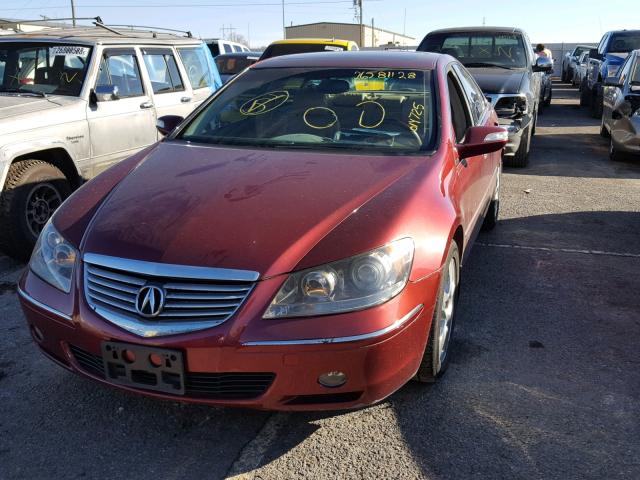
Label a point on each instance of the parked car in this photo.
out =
(504, 66)
(621, 109)
(605, 61)
(307, 45)
(219, 46)
(231, 64)
(546, 86)
(76, 101)
(570, 62)
(580, 71)
(282, 245)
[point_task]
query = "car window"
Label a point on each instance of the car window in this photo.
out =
(460, 116)
(236, 48)
(197, 67)
(479, 49)
(624, 42)
(321, 109)
(163, 72)
(46, 68)
(474, 94)
(121, 69)
(635, 72)
(215, 49)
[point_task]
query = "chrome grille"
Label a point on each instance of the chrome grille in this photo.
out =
(194, 297)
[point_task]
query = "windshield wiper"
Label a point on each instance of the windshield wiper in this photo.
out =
(488, 65)
(28, 92)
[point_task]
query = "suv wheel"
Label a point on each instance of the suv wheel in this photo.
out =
(613, 153)
(436, 354)
(34, 189)
(585, 95)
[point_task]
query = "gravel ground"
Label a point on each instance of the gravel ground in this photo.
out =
(544, 381)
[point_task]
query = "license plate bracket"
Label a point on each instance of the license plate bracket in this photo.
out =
(148, 368)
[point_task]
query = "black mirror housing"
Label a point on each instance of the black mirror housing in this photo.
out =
(168, 123)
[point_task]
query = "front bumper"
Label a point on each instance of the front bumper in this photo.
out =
(377, 361)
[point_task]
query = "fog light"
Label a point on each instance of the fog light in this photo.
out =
(332, 379)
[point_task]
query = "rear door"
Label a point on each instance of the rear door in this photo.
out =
(120, 127)
(201, 72)
(167, 84)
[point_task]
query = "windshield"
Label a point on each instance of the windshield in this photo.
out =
(233, 65)
(580, 50)
(45, 68)
(479, 49)
(381, 110)
(624, 42)
(280, 49)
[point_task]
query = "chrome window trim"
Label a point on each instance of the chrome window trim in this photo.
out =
(154, 269)
(42, 306)
(353, 338)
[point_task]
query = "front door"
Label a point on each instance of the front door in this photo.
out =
(125, 124)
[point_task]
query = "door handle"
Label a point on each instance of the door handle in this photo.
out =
(185, 99)
(146, 104)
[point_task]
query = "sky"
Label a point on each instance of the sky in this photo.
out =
(546, 21)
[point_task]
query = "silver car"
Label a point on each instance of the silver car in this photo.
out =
(570, 62)
(75, 101)
(580, 71)
(621, 109)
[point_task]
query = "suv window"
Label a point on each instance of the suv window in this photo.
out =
(474, 93)
(459, 113)
(163, 72)
(197, 67)
(121, 69)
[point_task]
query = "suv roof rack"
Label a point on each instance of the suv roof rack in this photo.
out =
(150, 29)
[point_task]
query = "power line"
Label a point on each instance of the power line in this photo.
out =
(191, 5)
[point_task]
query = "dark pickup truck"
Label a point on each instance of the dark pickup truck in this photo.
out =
(504, 66)
(605, 61)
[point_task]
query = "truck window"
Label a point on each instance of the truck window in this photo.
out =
(121, 70)
(163, 72)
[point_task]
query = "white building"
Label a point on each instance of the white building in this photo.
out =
(365, 36)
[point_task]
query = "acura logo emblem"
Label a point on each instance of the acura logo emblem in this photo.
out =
(150, 301)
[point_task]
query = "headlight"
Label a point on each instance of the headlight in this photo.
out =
(612, 70)
(511, 107)
(351, 284)
(53, 258)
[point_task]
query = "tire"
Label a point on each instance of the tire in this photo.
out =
(535, 124)
(547, 102)
(604, 133)
(33, 190)
(597, 102)
(565, 76)
(585, 95)
(491, 218)
(614, 154)
(521, 158)
(436, 354)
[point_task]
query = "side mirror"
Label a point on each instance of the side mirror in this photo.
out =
(482, 140)
(543, 64)
(593, 53)
(612, 82)
(106, 93)
(168, 123)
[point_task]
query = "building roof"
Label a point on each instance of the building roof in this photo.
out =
(351, 25)
(355, 60)
(97, 35)
(314, 41)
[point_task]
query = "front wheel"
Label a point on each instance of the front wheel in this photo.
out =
(491, 219)
(33, 190)
(521, 157)
(585, 95)
(614, 154)
(436, 354)
(597, 102)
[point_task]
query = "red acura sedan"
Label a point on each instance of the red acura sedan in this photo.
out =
(296, 243)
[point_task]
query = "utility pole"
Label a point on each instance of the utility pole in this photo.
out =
(284, 28)
(73, 12)
(357, 4)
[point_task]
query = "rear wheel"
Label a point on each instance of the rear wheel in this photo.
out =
(436, 354)
(34, 189)
(585, 95)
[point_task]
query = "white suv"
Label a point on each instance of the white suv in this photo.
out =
(74, 102)
(219, 46)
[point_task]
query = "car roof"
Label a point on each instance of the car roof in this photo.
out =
(239, 54)
(354, 59)
(313, 41)
(98, 35)
(478, 29)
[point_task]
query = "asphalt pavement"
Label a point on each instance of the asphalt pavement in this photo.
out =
(544, 380)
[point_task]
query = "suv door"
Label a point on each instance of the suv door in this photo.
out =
(170, 95)
(200, 70)
(122, 126)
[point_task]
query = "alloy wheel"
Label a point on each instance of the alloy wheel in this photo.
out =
(42, 201)
(447, 305)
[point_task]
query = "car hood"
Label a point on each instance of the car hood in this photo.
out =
(235, 208)
(616, 58)
(13, 105)
(494, 80)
